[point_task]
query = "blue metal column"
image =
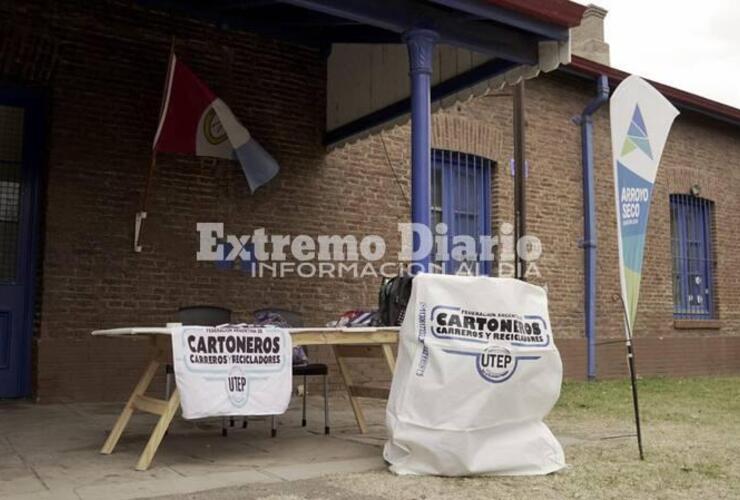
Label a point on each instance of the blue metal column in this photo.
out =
(589, 220)
(420, 43)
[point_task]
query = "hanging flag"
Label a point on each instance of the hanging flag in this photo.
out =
(194, 121)
(640, 121)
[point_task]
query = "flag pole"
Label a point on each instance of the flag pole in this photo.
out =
(633, 377)
(148, 186)
(142, 213)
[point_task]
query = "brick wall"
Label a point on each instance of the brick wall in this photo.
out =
(699, 151)
(105, 96)
(106, 90)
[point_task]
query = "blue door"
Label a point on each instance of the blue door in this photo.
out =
(20, 159)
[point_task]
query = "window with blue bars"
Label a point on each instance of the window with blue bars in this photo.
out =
(693, 262)
(461, 198)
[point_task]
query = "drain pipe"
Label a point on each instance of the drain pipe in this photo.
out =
(589, 219)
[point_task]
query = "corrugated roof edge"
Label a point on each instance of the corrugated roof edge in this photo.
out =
(682, 99)
(560, 12)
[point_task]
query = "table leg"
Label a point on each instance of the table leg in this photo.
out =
(389, 358)
(344, 372)
(128, 410)
(159, 431)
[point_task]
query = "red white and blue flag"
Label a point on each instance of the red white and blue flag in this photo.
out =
(196, 122)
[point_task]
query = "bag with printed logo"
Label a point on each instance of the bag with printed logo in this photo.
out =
(232, 370)
(477, 372)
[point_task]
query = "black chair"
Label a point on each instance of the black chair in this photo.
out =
(311, 370)
(292, 319)
(202, 316)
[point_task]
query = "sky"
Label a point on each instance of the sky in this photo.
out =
(688, 44)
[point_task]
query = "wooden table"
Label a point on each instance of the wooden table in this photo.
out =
(346, 343)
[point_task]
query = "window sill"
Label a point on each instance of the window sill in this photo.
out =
(697, 324)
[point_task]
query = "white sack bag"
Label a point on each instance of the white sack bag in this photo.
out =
(477, 371)
(232, 370)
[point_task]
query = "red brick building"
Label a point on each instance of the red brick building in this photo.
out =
(99, 69)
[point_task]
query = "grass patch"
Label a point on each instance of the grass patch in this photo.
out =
(699, 400)
(691, 431)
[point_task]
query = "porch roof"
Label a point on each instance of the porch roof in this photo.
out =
(503, 40)
(502, 28)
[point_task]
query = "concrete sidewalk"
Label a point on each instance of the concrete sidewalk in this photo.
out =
(52, 451)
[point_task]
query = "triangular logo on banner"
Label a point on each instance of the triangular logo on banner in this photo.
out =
(637, 136)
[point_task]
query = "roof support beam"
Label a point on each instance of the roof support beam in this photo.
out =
(399, 17)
